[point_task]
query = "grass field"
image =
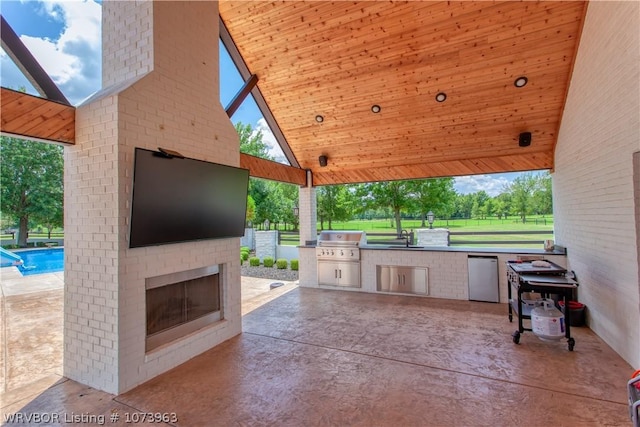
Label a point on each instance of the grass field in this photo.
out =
(515, 228)
(533, 223)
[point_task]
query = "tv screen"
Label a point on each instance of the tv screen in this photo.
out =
(179, 199)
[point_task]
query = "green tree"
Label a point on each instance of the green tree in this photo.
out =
(502, 205)
(434, 195)
(395, 195)
(274, 201)
(31, 184)
(480, 199)
(521, 190)
(251, 142)
(543, 194)
(263, 207)
(335, 203)
(251, 209)
(464, 205)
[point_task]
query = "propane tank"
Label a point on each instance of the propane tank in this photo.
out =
(547, 321)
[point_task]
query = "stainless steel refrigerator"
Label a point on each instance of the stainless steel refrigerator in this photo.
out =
(483, 279)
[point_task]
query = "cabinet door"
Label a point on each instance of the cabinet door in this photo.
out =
(349, 274)
(327, 273)
(403, 279)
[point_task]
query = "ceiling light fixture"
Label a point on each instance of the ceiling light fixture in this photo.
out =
(441, 97)
(322, 160)
(375, 108)
(319, 118)
(521, 81)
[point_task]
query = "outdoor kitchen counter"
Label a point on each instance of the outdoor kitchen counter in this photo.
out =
(466, 250)
(488, 251)
(447, 266)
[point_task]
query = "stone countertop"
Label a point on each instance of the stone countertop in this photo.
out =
(524, 251)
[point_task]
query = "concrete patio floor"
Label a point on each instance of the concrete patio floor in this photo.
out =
(322, 357)
(31, 322)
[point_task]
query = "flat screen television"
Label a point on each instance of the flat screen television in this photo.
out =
(178, 199)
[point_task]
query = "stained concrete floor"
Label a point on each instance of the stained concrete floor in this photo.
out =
(322, 357)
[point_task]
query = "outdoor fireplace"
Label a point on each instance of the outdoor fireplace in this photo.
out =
(180, 303)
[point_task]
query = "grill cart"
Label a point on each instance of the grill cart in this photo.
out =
(543, 277)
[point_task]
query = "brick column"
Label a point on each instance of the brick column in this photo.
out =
(266, 242)
(308, 212)
(433, 237)
(161, 89)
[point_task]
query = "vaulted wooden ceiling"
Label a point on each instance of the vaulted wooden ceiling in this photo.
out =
(338, 59)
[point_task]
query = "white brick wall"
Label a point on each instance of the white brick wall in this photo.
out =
(308, 214)
(266, 242)
(593, 184)
(127, 49)
(307, 267)
(174, 106)
(91, 249)
(447, 269)
(432, 237)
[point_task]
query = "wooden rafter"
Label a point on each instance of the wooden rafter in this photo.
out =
(29, 66)
(31, 117)
(267, 169)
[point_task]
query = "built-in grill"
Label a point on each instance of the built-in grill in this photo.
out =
(338, 256)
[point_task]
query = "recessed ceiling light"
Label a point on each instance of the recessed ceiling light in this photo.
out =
(375, 108)
(441, 97)
(319, 118)
(521, 81)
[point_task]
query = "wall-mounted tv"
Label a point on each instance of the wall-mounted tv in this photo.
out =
(178, 199)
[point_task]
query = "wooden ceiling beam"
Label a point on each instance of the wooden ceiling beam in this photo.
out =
(28, 64)
(30, 117)
(267, 169)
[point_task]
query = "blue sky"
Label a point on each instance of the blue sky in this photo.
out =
(65, 38)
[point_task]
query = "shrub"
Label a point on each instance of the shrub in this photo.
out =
(254, 261)
(294, 264)
(244, 249)
(244, 256)
(241, 259)
(281, 263)
(268, 261)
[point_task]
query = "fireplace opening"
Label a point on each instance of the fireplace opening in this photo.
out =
(180, 303)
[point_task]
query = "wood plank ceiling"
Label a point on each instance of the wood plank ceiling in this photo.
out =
(338, 59)
(32, 117)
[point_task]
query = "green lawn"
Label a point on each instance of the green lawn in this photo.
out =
(514, 225)
(533, 223)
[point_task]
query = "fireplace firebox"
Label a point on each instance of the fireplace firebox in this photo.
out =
(180, 303)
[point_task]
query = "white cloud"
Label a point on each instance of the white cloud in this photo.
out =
(270, 140)
(73, 61)
(491, 184)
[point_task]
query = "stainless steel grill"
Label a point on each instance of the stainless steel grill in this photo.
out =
(340, 245)
(338, 256)
(342, 238)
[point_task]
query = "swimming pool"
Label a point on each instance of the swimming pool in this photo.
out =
(40, 261)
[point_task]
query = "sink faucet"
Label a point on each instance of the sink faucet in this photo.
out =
(404, 234)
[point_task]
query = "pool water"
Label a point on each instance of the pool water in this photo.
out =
(41, 261)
